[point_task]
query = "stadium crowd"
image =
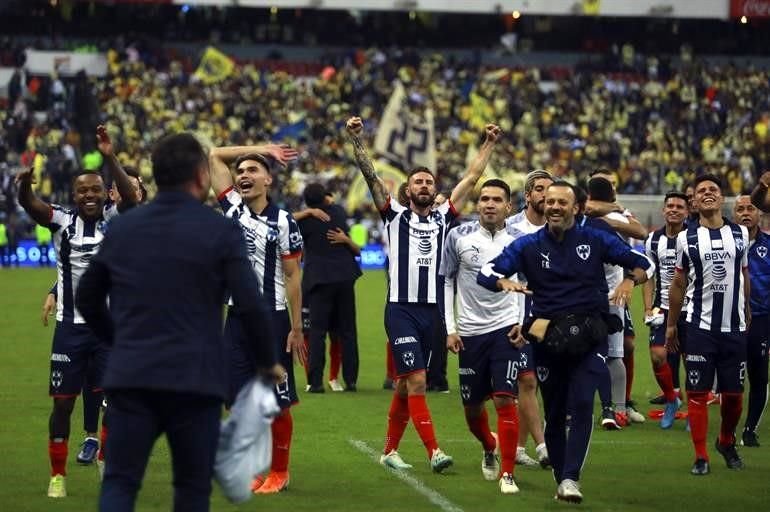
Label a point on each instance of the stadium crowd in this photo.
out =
(655, 129)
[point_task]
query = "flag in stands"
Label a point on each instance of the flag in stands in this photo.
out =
(405, 137)
(214, 67)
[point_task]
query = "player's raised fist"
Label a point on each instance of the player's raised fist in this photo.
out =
(27, 176)
(103, 140)
(493, 132)
(354, 125)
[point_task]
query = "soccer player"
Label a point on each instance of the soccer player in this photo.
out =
(746, 214)
(624, 223)
(712, 266)
(477, 330)
(76, 352)
(529, 220)
(563, 264)
(660, 247)
(416, 237)
(275, 247)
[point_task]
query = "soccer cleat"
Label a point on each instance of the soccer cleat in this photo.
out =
(56, 487)
(669, 413)
(439, 461)
(634, 416)
(621, 418)
(335, 385)
(522, 459)
(393, 460)
(608, 419)
(569, 490)
(88, 450)
(275, 482)
(490, 462)
(658, 400)
(750, 438)
(257, 482)
(315, 389)
(700, 468)
(730, 454)
(507, 484)
(542, 456)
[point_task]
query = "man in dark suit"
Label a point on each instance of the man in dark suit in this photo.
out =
(166, 268)
(331, 294)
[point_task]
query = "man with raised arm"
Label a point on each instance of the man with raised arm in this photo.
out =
(416, 236)
(76, 352)
(275, 247)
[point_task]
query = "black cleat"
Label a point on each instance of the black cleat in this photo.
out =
(750, 438)
(388, 384)
(608, 419)
(316, 389)
(732, 459)
(351, 388)
(658, 400)
(700, 468)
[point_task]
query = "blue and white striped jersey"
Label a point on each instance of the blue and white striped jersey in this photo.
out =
(271, 237)
(76, 241)
(479, 311)
(662, 251)
(714, 260)
(759, 274)
(415, 246)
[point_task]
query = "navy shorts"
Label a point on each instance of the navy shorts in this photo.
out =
(628, 324)
(411, 329)
(720, 353)
(658, 334)
(242, 367)
(76, 355)
(490, 365)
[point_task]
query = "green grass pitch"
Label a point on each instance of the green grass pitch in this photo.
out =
(335, 435)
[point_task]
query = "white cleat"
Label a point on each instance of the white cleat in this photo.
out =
(490, 462)
(508, 485)
(569, 490)
(522, 459)
(57, 487)
(335, 385)
(393, 460)
(634, 416)
(439, 461)
(542, 456)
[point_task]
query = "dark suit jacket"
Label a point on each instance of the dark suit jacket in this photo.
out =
(326, 262)
(167, 267)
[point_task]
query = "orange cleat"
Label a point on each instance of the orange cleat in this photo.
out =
(621, 418)
(275, 482)
(257, 482)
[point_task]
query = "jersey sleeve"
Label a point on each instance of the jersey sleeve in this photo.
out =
(682, 260)
(620, 253)
(110, 212)
(290, 238)
(746, 242)
(648, 247)
(450, 262)
(448, 211)
(60, 217)
(229, 200)
(391, 209)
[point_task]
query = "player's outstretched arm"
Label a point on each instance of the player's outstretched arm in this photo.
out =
(354, 126)
(760, 196)
(39, 210)
(121, 180)
(220, 159)
(476, 168)
(631, 229)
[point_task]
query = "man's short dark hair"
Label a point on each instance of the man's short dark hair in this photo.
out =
(600, 189)
(176, 160)
(707, 177)
(600, 170)
(581, 196)
(495, 182)
(315, 195)
(564, 184)
(418, 170)
(402, 198)
(83, 172)
(675, 195)
(262, 159)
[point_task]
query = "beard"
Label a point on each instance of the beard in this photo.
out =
(423, 201)
(539, 207)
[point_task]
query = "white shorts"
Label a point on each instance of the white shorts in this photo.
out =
(615, 341)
